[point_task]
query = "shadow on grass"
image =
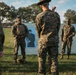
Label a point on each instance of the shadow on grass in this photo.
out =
(67, 67)
(12, 67)
(31, 66)
(6, 47)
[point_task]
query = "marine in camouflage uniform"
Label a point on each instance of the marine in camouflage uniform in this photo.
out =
(68, 31)
(2, 38)
(49, 59)
(47, 25)
(20, 31)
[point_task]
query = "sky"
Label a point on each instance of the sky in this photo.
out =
(62, 5)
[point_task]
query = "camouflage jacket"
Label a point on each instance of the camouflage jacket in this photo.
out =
(16, 30)
(47, 26)
(68, 31)
(1, 30)
(2, 35)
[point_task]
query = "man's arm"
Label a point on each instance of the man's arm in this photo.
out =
(58, 18)
(62, 33)
(3, 39)
(73, 32)
(14, 31)
(26, 30)
(58, 23)
(53, 8)
(38, 28)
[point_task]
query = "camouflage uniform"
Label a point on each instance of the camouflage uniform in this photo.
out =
(58, 16)
(19, 31)
(68, 31)
(2, 38)
(48, 25)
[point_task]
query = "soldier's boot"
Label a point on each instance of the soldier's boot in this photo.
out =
(54, 73)
(22, 60)
(68, 57)
(41, 74)
(49, 62)
(15, 59)
(49, 71)
(68, 54)
(61, 57)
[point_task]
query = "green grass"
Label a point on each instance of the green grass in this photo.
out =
(8, 67)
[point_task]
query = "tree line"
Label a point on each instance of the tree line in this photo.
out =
(28, 13)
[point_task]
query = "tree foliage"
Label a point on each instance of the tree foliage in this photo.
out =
(12, 13)
(29, 13)
(4, 9)
(70, 14)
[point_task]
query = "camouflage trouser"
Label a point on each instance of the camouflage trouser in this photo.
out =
(53, 54)
(1, 44)
(68, 44)
(22, 44)
(1, 47)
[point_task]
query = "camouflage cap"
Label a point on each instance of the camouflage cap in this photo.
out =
(43, 1)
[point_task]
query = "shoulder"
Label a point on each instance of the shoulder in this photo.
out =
(53, 14)
(72, 26)
(25, 26)
(14, 26)
(64, 26)
(40, 15)
(44, 14)
(57, 15)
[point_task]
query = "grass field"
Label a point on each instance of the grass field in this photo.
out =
(8, 67)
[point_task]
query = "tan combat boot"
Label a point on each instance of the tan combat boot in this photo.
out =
(15, 61)
(61, 57)
(68, 57)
